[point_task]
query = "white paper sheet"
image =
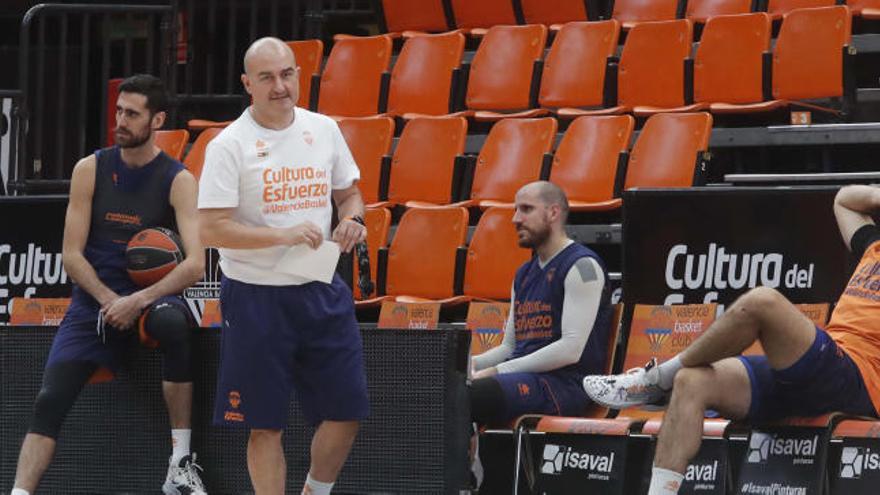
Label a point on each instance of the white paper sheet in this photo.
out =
(312, 264)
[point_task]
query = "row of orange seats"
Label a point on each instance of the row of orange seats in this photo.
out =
(509, 76)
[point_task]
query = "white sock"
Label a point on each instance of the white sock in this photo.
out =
(19, 491)
(664, 482)
(667, 370)
(180, 444)
(313, 487)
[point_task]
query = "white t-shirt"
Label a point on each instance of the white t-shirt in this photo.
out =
(275, 178)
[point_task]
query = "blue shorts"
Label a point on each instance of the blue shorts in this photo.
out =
(276, 339)
(823, 380)
(558, 393)
(77, 338)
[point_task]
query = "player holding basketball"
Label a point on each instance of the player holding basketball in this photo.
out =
(268, 182)
(807, 371)
(115, 193)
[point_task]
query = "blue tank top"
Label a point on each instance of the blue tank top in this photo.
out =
(540, 293)
(125, 201)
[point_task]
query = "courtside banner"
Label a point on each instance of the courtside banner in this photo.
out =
(711, 244)
(579, 463)
(486, 322)
(788, 461)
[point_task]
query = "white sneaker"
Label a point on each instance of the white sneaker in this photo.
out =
(636, 387)
(184, 479)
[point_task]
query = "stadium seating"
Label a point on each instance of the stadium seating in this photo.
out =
(195, 159)
(424, 76)
(423, 168)
(172, 142)
(369, 139)
(476, 17)
(492, 256)
(308, 55)
(378, 223)
(351, 83)
(778, 8)
(553, 13)
(701, 10)
(589, 161)
(631, 12)
(406, 15)
(866, 9)
(668, 151)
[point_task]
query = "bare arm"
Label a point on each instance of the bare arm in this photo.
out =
(853, 206)
(218, 228)
(77, 223)
(350, 204)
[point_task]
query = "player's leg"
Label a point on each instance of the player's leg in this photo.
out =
(266, 464)
(331, 445)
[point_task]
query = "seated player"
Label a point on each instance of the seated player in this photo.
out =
(807, 371)
(115, 193)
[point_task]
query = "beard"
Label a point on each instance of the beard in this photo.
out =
(128, 139)
(534, 238)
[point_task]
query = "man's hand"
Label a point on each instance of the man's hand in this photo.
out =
(485, 373)
(122, 312)
(304, 233)
(348, 233)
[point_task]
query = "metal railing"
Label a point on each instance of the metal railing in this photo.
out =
(8, 132)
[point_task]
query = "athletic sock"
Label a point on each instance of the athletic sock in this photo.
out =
(667, 371)
(180, 444)
(313, 487)
(19, 491)
(664, 482)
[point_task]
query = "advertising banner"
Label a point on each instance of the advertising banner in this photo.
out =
(785, 461)
(579, 463)
(409, 315)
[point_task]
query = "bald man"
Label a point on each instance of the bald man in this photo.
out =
(557, 330)
(267, 185)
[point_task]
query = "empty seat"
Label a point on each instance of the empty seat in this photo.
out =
(369, 140)
(586, 163)
(574, 71)
(422, 77)
(702, 10)
(778, 8)
(352, 78)
(407, 15)
(477, 16)
(493, 256)
(668, 149)
(502, 71)
(308, 54)
(422, 168)
(630, 12)
(512, 156)
(378, 223)
(553, 12)
(195, 159)
(172, 142)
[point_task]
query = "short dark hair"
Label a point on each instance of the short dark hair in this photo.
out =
(150, 86)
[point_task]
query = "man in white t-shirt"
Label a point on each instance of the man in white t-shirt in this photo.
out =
(267, 185)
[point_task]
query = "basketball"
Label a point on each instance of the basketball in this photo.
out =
(151, 254)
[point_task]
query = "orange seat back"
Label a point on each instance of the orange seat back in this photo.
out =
(493, 255)
(665, 154)
(818, 36)
(574, 72)
(701, 10)
(195, 159)
(629, 11)
(425, 15)
(378, 222)
(553, 11)
(172, 142)
(511, 157)
(369, 139)
(781, 7)
(726, 72)
(422, 76)
(652, 64)
(308, 54)
(421, 258)
(585, 164)
(482, 13)
(501, 72)
(352, 77)
(424, 160)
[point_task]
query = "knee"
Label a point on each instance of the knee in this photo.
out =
(167, 325)
(264, 436)
(691, 383)
(761, 301)
(50, 408)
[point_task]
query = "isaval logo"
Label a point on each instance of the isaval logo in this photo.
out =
(856, 460)
(764, 445)
(701, 473)
(557, 458)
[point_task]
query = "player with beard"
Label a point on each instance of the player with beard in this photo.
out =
(557, 329)
(114, 193)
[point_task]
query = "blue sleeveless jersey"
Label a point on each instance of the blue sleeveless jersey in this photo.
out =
(125, 201)
(540, 293)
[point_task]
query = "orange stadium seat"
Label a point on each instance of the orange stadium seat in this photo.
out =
(195, 159)
(422, 78)
(702, 10)
(308, 54)
(502, 72)
(493, 256)
(574, 72)
(406, 15)
(422, 255)
(352, 78)
(378, 222)
(587, 162)
(513, 155)
(867, 9)
(553, 13)
(630, 12)
(476, 16)
(369, 139)
(172, 142)
(731, 73)
(423, 166)
(668, 149)
(778, 8)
